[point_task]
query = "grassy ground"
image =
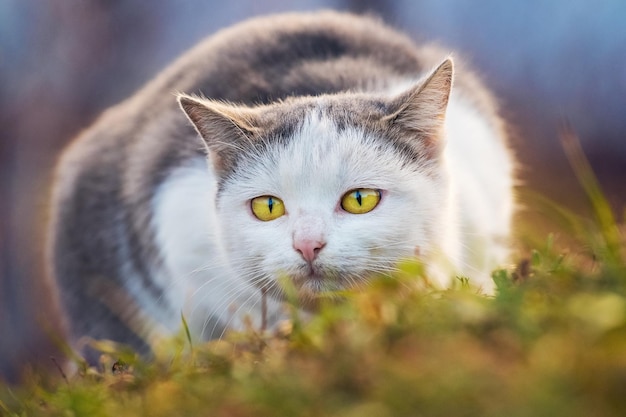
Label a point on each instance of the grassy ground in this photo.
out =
(551, 342)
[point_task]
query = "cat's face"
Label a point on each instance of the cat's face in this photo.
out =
(315, 240)
(325, 191)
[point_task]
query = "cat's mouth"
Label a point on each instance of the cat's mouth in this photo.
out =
(314, 282)
(311, 288)
(311, 284)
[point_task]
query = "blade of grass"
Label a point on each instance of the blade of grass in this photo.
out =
(187, 332)
(587, 179)
(4, 408)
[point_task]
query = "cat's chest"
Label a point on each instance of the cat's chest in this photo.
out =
(199, 279)
(185, 231)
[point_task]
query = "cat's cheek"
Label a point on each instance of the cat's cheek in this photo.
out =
(262, 240)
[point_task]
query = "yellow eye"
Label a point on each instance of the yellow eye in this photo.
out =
(267, 208)
(361, 200)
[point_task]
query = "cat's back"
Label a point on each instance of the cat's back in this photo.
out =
(259, 61)
(270, 58)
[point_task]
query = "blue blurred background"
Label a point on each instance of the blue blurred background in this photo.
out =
(62, 62)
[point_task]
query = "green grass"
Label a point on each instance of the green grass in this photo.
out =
(551, 342)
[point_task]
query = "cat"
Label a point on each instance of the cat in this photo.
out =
(322, 148)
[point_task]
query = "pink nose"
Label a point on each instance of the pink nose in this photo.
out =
(308, 248)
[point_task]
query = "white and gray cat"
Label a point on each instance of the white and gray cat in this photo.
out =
(336, 148)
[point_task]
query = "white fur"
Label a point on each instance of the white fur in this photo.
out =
(217, 257)
(480, 169)
(202, 283)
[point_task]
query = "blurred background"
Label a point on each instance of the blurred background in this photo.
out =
(62, 62)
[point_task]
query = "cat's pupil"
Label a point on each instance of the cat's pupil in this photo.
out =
(270, 203)
(358, 197)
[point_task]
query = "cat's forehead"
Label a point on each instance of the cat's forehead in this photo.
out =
(341, 124)
(342, 110)
(323, 153)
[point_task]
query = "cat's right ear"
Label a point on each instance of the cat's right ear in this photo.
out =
(226, 129)
(420, 111)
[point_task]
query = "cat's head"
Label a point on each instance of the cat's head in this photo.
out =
(327, 190)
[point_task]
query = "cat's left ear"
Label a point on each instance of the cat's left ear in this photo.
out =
(420, 111)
